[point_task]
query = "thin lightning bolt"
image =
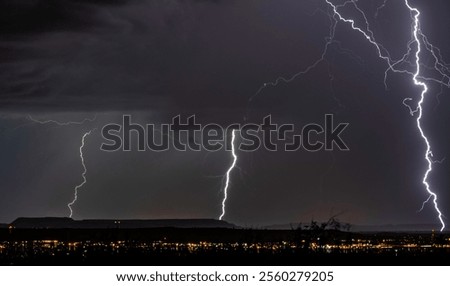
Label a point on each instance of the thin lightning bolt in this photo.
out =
(68, 123)
(62, 123)
(380, 8)
(77, 188)
(419, 40)
(424, 203)
(329, 40)
(227, 182)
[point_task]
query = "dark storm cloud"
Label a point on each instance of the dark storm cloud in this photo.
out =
(30, 17)
(78, 54)
(169, 55)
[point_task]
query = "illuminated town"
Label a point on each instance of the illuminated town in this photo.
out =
(331, 245)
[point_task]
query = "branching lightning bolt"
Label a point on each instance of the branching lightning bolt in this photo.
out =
(402, 66)
(77, 188)
(227, 176)
(417, 79)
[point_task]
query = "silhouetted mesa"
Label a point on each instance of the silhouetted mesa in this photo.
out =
(68, 223)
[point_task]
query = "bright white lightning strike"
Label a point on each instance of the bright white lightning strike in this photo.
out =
(428, 152)
(77, 188)
(415, 76)
(422, 43)
(227, 182)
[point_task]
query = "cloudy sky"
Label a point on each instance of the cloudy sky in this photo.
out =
(67, 60)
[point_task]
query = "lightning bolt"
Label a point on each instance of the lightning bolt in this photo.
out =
(417, 80)
(50, 121)
(421, 42)
(77, 188)
(68, 123)
(227, 176)
(428, 152)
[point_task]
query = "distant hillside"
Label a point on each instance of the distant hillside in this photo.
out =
(64, 222)
(50, 222)
(396, 228)
(58, 223)
(368, 228)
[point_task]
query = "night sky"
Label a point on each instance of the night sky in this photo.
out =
(71, 59)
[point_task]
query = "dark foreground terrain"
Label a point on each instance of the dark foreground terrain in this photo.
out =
(23, 244)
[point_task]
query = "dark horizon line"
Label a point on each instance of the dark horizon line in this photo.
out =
(402, 227)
